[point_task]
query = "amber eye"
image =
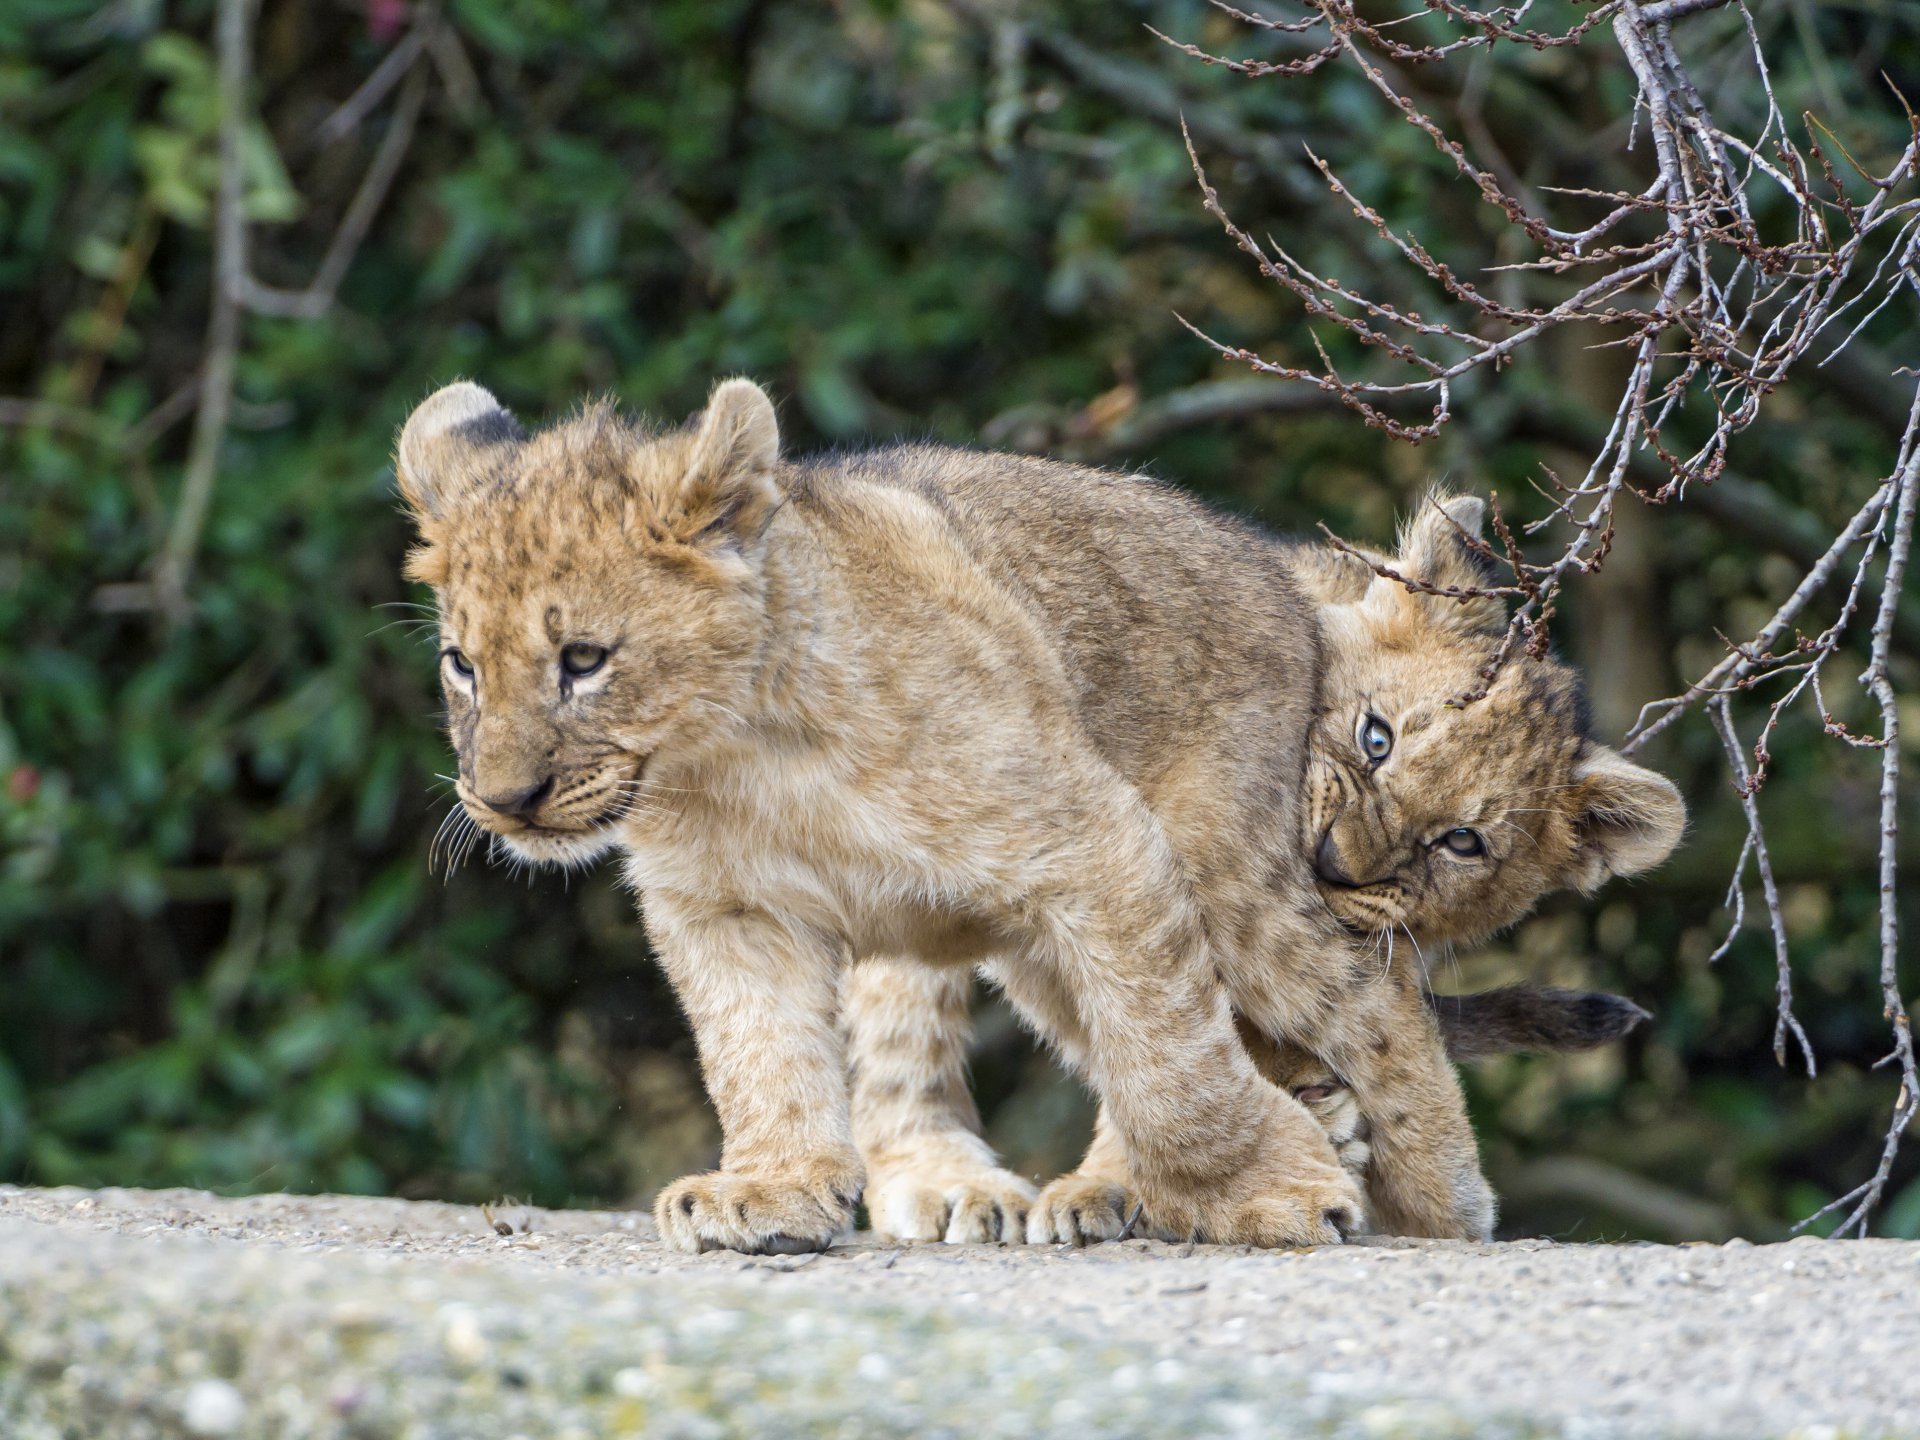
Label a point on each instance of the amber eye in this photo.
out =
(582, 660)
(1464, 842)
(1375, 738)
(462, 666)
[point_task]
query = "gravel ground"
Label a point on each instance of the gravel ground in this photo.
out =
(131, 1314)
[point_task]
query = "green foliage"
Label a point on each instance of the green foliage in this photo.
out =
(223, 959)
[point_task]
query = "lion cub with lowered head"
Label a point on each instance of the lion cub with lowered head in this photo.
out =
(952, 706)
(1393, 769)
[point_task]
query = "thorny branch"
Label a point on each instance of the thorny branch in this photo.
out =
(1713, 308)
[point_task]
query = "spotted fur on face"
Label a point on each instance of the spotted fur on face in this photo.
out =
(576, 571)
(1441, 821)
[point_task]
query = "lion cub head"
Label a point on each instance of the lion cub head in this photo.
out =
(600, 596)
(1446, 822)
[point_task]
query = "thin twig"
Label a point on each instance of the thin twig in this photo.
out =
(1785, 1022)
(173, 572)
(375, 88)
(318, 297)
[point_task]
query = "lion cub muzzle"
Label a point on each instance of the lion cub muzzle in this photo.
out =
(1327, 864)
(519, 804)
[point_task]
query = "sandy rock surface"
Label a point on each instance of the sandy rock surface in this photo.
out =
(176, 1313)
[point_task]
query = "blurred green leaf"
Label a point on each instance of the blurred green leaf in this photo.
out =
(222, 958)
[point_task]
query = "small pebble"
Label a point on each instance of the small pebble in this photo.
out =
(462, 1336)
(213, 1407)
(632, 1383)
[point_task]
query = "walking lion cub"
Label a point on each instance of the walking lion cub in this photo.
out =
(960, 708)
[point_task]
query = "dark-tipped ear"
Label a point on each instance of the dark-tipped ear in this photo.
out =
(1629, 817)
(729, 487)
(1434, 547)
(440, 456)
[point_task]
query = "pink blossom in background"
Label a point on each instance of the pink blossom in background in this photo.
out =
(386, 18)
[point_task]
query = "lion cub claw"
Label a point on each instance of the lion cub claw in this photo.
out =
(1079, 1210)
(719, 1211)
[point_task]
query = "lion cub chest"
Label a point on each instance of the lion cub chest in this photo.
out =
(811, 839)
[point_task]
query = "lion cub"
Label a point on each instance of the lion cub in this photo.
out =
(968, 709)
(1426, 825)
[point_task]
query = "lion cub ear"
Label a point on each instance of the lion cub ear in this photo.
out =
(1628, 817)
(729, 489)
(442, 453)
(1434, 548)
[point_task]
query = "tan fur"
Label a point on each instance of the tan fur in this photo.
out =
(1312, 1082)
(924, 703)
(1516, 765)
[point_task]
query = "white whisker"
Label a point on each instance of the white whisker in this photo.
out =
(1416, 951)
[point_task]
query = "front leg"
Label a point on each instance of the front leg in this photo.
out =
(760, 994)
(930, 1174)
(1118, 971)
(1311, 1081)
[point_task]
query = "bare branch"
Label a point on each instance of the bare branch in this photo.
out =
(173, 571)
(1879, 684)
(317, 298)
(375, 88)
(1713, 309)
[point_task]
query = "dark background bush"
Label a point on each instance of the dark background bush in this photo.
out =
(223, 959)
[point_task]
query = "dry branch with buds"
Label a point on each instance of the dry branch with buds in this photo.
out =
(1732, 260)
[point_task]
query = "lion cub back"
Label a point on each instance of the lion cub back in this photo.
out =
(1175, 628)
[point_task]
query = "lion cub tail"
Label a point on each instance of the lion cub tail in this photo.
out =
(1531, 1017)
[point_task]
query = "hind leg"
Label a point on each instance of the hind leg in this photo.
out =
(1100, 1198)
(1096, 1202)
(930, 1174)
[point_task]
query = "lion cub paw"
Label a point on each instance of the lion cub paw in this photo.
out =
(1302, 1203)
(971, 1205)
(755, 1215)
(1079, 1210)
(1315, 1210)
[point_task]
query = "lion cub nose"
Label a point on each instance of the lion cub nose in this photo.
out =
(519, 803)
(1326, 862)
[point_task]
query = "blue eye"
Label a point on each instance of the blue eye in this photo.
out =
(1375, 738)
(1464, 842)
(462, 666)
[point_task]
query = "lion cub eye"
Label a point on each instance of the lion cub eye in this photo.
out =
(1464, 842)
(1375, 738)
(582, 660)
(462, 666)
